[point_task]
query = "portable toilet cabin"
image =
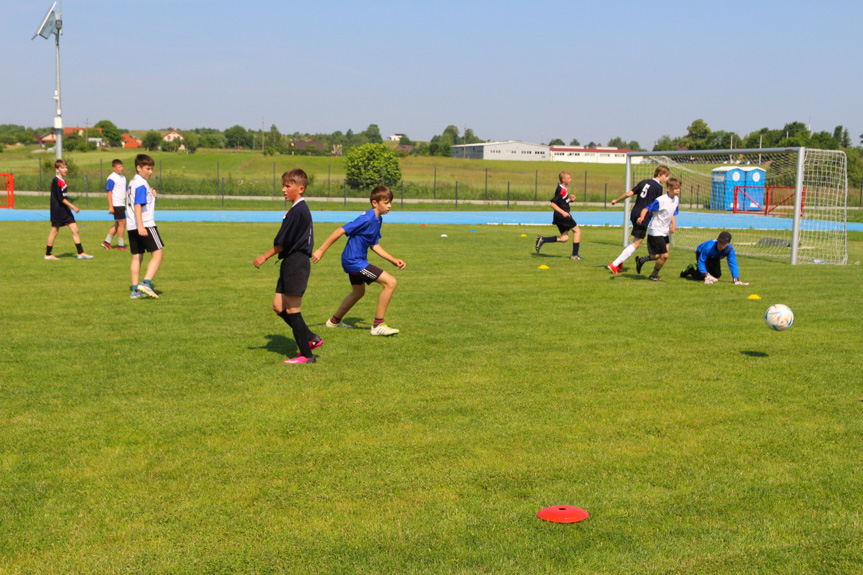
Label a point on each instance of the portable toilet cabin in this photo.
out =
(753, 197)
(724, 179)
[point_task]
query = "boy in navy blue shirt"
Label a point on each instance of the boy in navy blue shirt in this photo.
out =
(364, 233)
(294, 244)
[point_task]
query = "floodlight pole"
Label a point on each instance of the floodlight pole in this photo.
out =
(58, 119)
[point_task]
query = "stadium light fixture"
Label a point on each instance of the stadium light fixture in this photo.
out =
(52, 23)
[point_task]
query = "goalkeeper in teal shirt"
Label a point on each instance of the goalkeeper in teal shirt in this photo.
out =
(708, 257)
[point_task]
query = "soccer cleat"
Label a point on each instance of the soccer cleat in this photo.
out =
(639, 262)
(51, 257)
(83, 256)
(621, 268)
(107, 246)
(539, 243)
(317, 343)
(576, 258)
(147, 291)
(688, 271)
(656, 278)
(122, 248)
(340, 324)
(301, 359)
(384, 329)
(613, 268)
(136, 295)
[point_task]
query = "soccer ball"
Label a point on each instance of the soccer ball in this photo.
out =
(779, 317)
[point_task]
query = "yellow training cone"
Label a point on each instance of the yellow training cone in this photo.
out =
(754, 296)
(524, 235)
(543, 267)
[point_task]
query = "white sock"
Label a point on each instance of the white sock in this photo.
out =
(108, 238)
(120, 243)
(624, 255)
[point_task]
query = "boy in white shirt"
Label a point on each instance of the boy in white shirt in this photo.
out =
(115, 187)
(143, 235)
(664, 209)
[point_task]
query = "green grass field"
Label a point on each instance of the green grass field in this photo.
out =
(166, 436)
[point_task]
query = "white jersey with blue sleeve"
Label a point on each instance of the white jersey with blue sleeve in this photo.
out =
(116, 184)
(664, 209)
(140, 193)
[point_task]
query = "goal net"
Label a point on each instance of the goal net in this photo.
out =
(784, 203)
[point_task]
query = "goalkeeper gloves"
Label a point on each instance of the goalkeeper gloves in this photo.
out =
(709, 279)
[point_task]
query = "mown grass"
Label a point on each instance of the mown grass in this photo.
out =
(167, 436)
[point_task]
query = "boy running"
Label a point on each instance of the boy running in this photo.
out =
(364, 233)
(647, 191)
(664, 209)
(562, 218)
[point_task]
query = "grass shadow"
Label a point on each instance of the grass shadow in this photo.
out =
(754, 353)
(278, 343)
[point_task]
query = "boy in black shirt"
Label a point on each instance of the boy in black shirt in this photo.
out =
(647, 191)
(294, 244)
(61, 213)
(562, 218)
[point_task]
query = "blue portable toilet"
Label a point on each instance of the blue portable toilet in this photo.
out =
(754, 199)
(724, 180)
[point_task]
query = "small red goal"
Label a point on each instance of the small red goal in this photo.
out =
(10, 190)
(775, 200)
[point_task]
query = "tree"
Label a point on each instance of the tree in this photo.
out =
(556, 142)
(696, 135)
(192, 142)
(237, 137)
(405, 141)
(666, 144)
(846, 139)
(152, 140)
(574, 142)
(617, 143)
(470, 137)
(369, 165)
(110, 133)
(634, 145)
(452, 132)
(373, 134)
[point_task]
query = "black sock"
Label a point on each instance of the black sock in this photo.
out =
(301, 332)
(48, 250)
(575, 248)
(549, 240)
(79, 248)
(284, 315)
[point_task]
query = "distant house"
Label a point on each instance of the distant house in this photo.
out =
(130, 142)
(306, 144)
(172, 135)
(51, 137)
(580, 154)
(396, 137)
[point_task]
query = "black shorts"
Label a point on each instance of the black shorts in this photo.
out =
(294, 274)
(152, 242)
(638, 231)
(566, 225)
(119, 213)
(367, 276)
(61, 224)
(657, 245)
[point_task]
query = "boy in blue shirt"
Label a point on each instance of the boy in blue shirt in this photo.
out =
(707, 258)
(364, 233)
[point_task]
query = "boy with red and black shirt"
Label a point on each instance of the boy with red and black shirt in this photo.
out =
(562, 218)
(61, 213)
(294, 244)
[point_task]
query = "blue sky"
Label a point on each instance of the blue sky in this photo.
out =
(531, 71)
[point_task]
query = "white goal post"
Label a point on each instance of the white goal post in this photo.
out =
(788, 203)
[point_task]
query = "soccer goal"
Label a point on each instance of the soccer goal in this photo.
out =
(788, 203)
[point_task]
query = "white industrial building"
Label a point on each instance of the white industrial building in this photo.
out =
(508, 150)
(517, 150)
